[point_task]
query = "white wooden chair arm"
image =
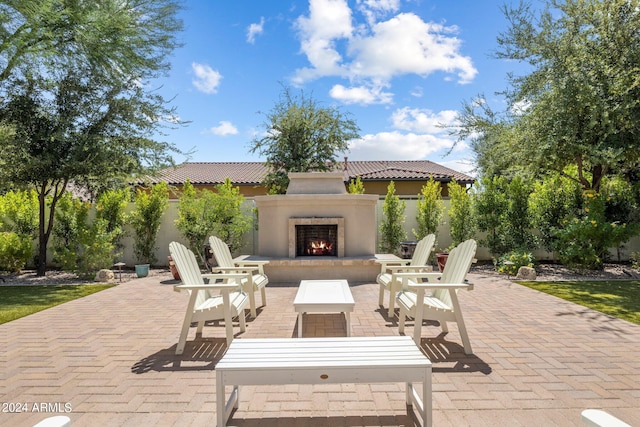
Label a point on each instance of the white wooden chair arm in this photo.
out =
(409, 269)
(251, 263)
(427, 285)
(385, 264)
(217, 276)
(232, 270)
(429, 275)
(204, 287)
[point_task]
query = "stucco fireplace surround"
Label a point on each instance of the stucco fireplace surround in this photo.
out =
(318, 199)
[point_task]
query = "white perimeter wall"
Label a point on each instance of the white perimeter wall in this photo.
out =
(168, 233)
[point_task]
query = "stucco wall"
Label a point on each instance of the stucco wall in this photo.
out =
(168, 232)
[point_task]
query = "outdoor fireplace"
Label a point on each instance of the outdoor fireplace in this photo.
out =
(316, 240)
(347, 221)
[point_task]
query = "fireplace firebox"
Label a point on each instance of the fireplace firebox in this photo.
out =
(316, 236)
(316, 240)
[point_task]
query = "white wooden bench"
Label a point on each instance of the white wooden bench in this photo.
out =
(323, 361)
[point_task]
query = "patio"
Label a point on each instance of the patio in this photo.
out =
(110, 356)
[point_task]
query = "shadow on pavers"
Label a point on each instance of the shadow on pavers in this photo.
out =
(448, 356)
(201, 354)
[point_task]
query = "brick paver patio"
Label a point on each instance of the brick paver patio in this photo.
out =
(109, 357)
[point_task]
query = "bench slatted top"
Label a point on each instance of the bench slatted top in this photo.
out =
(317, 353)
(255, 361)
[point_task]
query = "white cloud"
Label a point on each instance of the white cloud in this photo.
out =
(397, 146)
(255, 29)
(417, 134)
(360, 95)
(423, 120)
(207, 79)
(461, 165)
(328, 21)
(406, 44)
(374, 9)
(224, 128)
(417, 92)
(377, 51)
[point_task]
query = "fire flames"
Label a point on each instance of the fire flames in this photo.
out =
(319, 247)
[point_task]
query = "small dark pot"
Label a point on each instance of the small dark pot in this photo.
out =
(442, 260)
(173, 268)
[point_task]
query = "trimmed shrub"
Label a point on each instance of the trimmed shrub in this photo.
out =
(15, 251)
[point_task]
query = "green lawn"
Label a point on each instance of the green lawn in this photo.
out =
(617, 298)
(20, 301)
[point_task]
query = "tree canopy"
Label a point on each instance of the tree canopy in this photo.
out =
(76, 104)
(302, 136)
(576, 113)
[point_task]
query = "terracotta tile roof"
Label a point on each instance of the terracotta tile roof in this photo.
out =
(211, 173)
(403, 170)
(252, 173)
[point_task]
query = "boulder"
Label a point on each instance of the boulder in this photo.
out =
(526, 273)
(104, 275)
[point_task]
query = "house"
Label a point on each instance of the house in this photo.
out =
(408, 175)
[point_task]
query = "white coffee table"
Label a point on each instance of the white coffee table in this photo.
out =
(324, 296)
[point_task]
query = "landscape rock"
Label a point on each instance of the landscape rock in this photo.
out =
(526, 273)
(104, 275)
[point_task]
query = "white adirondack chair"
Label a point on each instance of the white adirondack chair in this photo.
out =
(254, 278)
(416, 264)
(441, 303)
(212, 301)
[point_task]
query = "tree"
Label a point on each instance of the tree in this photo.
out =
(581, 97)
(146, 220)
(111, 207)
(461, 219)
(81, 244)
(430, 209)
(229, 222)
(491, 205)
(202, 213)
(356, 186)
(75, 101)
(302, 136)
(553, 202)
(193, 217)
(392, 226)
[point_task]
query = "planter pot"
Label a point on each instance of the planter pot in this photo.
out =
(442, 260)
(142, 270)
(173, 268)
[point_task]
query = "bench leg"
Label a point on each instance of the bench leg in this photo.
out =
(224, 407)
(300, 324)
(347, 318)
(220, 402)
(424, 406)
(427, 403)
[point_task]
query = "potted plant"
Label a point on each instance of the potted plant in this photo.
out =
(146, 220)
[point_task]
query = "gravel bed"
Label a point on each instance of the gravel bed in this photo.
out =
(555, 272)
(55, 277)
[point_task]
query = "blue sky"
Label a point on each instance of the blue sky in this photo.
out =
(399, 67)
